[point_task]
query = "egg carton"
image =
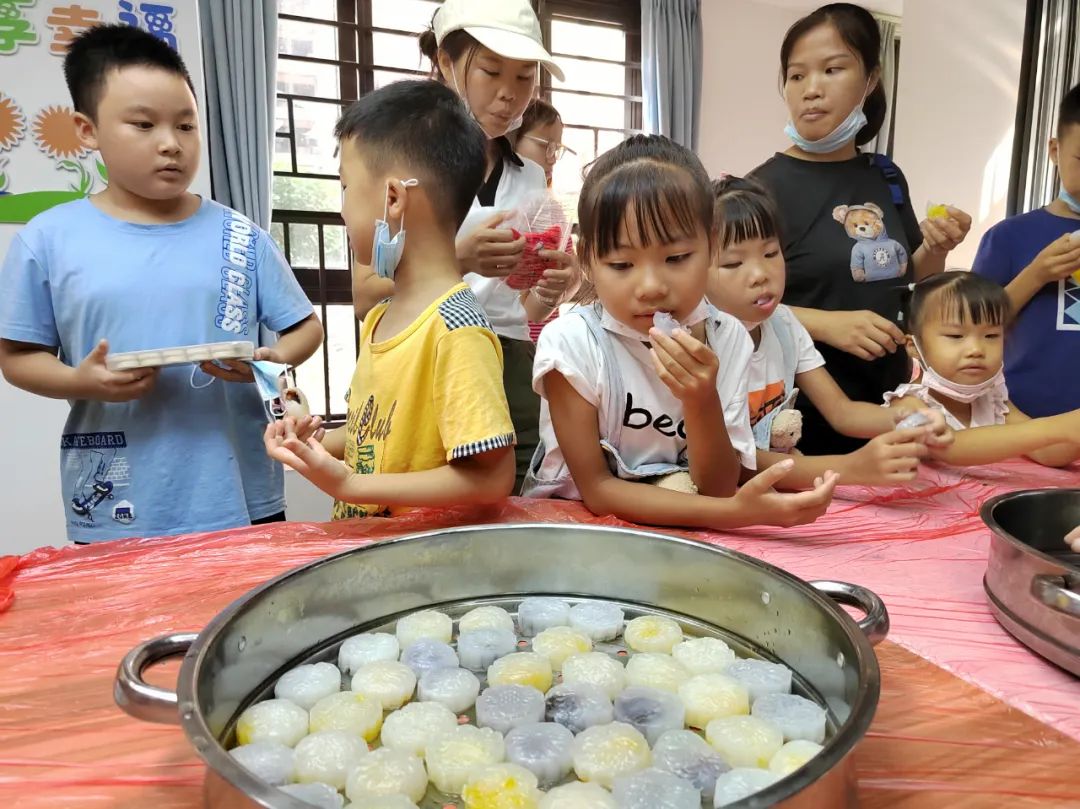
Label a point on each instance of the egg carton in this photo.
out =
(180, 355)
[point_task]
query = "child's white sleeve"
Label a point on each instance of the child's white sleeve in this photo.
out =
(731, 383)
(809, 357)
(566, 346)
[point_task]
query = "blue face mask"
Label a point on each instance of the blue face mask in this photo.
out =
(267, 380)
(1070, 200)
(839, 137)
(386, 250)
(267, 375)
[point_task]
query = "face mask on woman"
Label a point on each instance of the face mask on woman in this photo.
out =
(839, 137)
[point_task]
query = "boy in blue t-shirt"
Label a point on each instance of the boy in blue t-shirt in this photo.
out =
(146, 264)
(1036, 257)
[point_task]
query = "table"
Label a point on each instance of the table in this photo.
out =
(968, 717)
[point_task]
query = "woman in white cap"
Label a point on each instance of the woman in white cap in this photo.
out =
(489, 52)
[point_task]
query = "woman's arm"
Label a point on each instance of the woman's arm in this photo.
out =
(940, 236)
(863, 333)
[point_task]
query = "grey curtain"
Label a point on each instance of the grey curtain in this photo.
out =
(888, 81)
(671, 68)
(239, 41)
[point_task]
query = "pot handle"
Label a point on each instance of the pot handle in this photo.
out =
(1055, 592)
(138, 698)
(876, 621)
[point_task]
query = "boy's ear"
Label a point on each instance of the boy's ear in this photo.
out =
(397, 198)
(86, 131)
(1053, 150)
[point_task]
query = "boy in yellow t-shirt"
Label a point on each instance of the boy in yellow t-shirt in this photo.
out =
(428, 423)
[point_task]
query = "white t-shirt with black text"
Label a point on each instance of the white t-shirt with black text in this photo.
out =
(652, 417)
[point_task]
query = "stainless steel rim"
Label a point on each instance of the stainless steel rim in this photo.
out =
(986, 513)
(849, 733)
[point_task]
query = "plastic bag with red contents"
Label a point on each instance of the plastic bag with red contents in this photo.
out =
(543, 221)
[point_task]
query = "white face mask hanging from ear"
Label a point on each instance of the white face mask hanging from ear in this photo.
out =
(460, 94)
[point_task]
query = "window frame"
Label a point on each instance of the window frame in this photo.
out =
(356, 68)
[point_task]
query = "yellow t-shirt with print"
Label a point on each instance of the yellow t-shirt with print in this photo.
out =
(429, 395)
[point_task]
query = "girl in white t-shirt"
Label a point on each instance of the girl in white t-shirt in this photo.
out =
(748, 283)
(956, 322)
(624, 403)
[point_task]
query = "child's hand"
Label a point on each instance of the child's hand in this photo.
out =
(766, 506)
(309, 457)
(1057, 260)
(686, 365)
(490, 250)
(310, 427)
(889, 459)
(95, 381)
(1072, 539)
(239, 370)
(937, 433)
(942, 235)
(228, 370)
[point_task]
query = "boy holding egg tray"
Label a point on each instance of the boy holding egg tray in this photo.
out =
(147, 264)
(1036, 257)
(428, 423)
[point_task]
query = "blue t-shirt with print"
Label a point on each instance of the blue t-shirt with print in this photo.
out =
(1042, 348)
(183, 458)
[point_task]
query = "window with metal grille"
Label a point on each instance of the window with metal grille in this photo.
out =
(331, 52)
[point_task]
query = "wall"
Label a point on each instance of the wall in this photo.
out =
(742, 114)
(956, 105)
(30, 498)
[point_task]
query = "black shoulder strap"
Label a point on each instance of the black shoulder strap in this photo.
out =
(892, 177)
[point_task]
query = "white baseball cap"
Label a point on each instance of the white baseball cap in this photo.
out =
(507, 27)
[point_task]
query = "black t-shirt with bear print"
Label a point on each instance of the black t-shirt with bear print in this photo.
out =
(845, 242)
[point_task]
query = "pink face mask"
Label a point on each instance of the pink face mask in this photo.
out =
(954, 390)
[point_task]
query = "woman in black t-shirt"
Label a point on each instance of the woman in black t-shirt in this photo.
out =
(850, 237)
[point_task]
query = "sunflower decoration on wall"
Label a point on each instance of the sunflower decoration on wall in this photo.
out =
(12, 131)
(55, 135)
(54, 131)
(12, 124)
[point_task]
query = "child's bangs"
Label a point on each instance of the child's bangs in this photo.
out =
(744, 216)
(982, 306)
(648, 203)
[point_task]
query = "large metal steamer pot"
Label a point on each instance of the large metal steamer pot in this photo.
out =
(1032, 579)
(316, 606)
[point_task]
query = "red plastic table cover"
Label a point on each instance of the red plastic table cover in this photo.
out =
(937, 741)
